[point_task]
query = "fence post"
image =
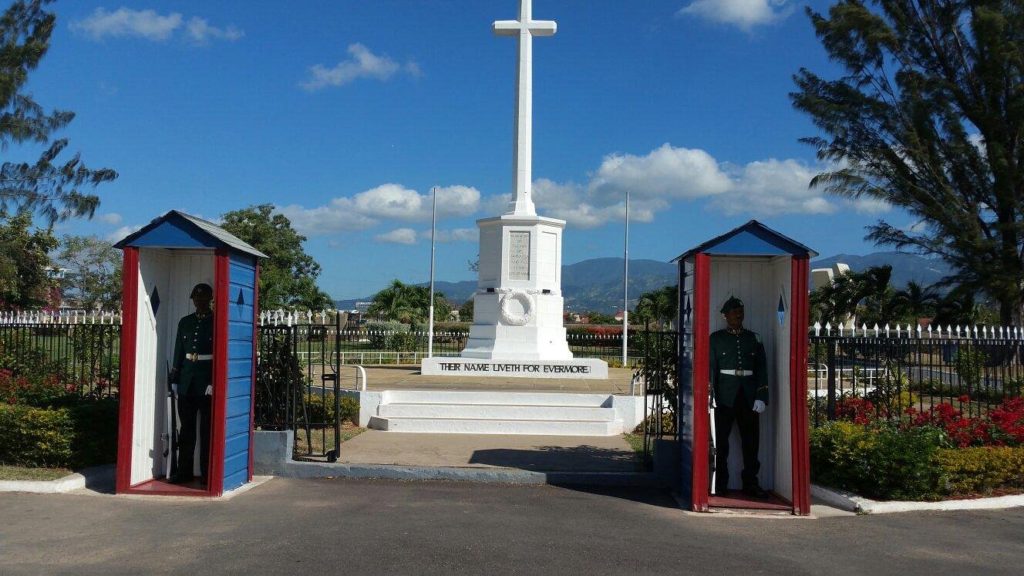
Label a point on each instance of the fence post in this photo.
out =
(830, 406)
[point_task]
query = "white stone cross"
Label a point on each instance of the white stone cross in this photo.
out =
(524, 30)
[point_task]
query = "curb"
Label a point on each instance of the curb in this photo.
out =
(296, 469)
(69, 483)
(859, 504)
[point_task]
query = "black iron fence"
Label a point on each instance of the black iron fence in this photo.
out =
(81, 358)
(888, 375)
(657, 372)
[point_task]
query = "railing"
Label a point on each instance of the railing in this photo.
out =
(972, 369)
(79, 357)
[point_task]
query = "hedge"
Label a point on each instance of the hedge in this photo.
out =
(35, 436)
(76, 435)
(889, 463)
(982, 470)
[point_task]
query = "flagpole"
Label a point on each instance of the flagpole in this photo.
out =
(433, 223)
(625, 291)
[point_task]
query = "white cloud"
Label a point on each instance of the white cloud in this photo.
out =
(385, 202)
(362, 64)
(122, 232)
(112, 218)
(150, 25)
(744, 14)
(771, 187)
(200, 31)
(131, 23)
(398, 236)
(666, 172)
(338, 215)
(669, 174)
(453, 235)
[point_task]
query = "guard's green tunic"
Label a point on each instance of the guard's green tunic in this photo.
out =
(195, 336)
(742, 351)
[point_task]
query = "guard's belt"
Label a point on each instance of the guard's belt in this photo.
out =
(196, 357)
(738, 372)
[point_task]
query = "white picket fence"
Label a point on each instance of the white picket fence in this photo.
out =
(302, 317)
(44, 317)
(887, 331)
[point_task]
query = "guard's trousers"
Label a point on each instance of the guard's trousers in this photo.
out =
(191, 409)
(749, 423)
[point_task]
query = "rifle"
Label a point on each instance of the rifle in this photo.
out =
(170, 436)
(712, 457)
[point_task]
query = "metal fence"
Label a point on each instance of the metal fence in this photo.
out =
(82, 355)
(974, 370)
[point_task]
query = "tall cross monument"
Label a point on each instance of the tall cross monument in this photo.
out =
(517, 318)
(524, 30)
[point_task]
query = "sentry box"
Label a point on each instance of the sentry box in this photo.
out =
(162, 263)
(768, 272)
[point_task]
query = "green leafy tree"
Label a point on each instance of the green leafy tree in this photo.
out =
(93, 272)
(466, 311)
(915, 301)
(288, 276)
(929, 117)
(658, 306)
(51, 189)
(25, 279)
(865, 295)
(408, 304)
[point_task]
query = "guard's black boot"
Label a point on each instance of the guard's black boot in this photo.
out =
(755, 491)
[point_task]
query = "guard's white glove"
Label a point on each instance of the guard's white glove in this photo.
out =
(209, 392)
(174, 389)
(758, 406)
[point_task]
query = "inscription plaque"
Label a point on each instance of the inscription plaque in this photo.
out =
(518, 255)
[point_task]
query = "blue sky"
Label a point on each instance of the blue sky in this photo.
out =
(344, 114)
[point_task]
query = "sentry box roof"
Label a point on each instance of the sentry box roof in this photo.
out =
(750, 239)
(179, 230)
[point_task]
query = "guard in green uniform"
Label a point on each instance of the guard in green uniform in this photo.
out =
(192, 383)
(739, 380)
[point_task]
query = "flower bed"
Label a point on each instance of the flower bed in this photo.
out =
(922, 454)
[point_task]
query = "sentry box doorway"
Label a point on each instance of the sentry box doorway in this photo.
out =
(162, 263)
(769, 273)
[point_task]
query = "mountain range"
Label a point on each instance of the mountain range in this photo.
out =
(596, 284)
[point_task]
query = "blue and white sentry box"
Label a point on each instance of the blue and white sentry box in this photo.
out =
(162, 262)
(769, 273)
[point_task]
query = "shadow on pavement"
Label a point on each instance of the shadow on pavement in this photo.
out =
(559, 459)
(660, 497)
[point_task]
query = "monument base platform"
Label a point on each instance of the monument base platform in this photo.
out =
(579, 368)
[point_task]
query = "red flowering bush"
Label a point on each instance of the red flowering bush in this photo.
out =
(33, 390)
(855, 409)
(962, 431)
(1008, 419)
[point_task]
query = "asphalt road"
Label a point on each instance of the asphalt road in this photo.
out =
(386, 527)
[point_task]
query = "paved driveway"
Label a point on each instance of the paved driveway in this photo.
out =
(323, 526)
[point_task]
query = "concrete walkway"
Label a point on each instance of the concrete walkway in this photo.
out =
(533, 453)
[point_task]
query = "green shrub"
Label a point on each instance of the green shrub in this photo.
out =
(982, 470)
(321, 410)
(77, 435)
(34, 436)
(877, 461)
(391, 336)
(94, 441)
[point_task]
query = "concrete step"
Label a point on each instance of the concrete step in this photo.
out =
(496, 412)
(493, 426)
(497, 397)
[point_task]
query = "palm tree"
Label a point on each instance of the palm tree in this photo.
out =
(915, 301)
(394, 302)
(659, 306)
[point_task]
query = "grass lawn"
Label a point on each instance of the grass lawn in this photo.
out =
(21, 473)
(323, 440)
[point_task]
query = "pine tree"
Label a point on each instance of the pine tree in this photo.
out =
(929, 117)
